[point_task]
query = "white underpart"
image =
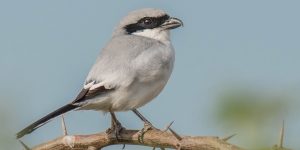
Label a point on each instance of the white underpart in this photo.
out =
(156, 33)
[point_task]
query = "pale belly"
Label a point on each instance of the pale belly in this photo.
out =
(127, 98)
(138, 95)
(135, 96)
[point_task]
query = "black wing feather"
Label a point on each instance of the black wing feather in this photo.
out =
(45, 119)
(88, 94)
(83, 95)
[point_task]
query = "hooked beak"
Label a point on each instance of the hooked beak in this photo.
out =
(172, 23)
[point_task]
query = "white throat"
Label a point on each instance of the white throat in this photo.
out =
(157, 34)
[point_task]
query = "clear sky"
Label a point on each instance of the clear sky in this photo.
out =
(48, 47)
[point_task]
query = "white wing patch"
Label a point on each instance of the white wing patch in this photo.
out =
(89, 85)
(93, 86)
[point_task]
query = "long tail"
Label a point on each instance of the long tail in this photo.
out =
(45, 119)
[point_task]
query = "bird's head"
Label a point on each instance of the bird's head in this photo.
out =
(148, 22)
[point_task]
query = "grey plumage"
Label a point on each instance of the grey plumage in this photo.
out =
(144, 65)
(131, 69)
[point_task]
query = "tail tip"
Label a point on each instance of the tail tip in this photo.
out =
(19, 135)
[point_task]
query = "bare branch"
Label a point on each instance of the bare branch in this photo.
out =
(152, 138)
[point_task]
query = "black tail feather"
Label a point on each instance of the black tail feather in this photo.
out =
(45, 119)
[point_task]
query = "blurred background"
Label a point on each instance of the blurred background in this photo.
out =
(236, 71)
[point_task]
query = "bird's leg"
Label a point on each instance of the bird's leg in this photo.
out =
(116, 126)
(147, 124)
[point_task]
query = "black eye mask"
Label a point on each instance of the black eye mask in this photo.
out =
(146, 23)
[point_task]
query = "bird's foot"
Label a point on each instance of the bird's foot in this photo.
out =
(147, 126)
(115, 130)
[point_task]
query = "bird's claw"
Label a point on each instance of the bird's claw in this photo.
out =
(115, 130)
(147, 127)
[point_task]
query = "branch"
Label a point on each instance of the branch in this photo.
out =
(152, 138)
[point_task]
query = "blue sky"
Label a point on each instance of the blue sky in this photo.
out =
(48, 47)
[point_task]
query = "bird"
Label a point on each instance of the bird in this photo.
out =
(130, 71)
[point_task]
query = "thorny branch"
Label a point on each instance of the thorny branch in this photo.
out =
(152, 138)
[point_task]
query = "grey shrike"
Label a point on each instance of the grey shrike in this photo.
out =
(130, 71)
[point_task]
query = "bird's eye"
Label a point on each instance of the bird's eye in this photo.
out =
(148, 23)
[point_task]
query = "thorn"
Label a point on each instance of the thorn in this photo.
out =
(153, 148)
(123, 147)
(162, 148)
(168, 126)
(63, 125)
(281, 135)
(24, 145)
(228, 137)
(172, 131)
(175, 134)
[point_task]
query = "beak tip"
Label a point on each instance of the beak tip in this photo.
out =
(180, 21)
